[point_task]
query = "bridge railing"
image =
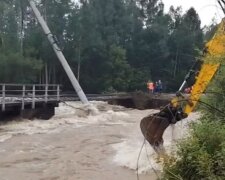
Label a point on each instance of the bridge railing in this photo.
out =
(28, 93)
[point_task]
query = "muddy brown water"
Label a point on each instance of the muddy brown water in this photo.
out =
(73, 146)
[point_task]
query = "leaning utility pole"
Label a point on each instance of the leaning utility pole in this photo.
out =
(59, 53)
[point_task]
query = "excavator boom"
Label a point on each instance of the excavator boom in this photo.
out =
(153, 126)
(214, 55)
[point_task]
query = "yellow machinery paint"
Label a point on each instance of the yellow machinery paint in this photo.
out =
(153, 126)
(203, 79)
(213, 57)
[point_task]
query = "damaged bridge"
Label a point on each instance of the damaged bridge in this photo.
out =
(39, 100)
(137, 100)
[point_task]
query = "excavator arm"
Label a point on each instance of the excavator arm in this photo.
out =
(153, 126)
(215, 54)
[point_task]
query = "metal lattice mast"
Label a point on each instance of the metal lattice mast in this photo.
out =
(59, 53)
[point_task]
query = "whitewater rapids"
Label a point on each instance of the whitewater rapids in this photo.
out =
(74, 145)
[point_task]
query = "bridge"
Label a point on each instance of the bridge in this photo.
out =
(39, 100)
(29, 100)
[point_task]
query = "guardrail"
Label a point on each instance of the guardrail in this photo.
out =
(28, 93)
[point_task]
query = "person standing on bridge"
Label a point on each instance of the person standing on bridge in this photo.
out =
(150, 86)
(156, 87)
(160, 86)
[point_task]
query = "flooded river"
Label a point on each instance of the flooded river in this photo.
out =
(73, 145)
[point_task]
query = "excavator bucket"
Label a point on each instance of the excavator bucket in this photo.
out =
(154, 125)
(152, 128)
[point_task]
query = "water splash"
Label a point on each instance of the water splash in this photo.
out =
(72, 114)
(128, 150)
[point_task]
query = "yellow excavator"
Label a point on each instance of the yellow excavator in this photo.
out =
(153, 126)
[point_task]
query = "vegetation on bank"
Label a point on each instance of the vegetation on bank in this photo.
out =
(202, 154)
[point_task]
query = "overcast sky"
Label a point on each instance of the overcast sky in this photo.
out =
(207, 9)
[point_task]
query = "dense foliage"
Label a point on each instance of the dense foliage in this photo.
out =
(113, 45)
(202, 154)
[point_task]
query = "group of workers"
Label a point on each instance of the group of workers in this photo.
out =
(155, 87)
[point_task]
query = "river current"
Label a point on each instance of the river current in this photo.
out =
(75, 145)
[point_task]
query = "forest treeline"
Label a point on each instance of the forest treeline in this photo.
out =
(113, 45)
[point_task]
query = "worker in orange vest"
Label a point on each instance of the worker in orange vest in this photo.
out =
(150, 86)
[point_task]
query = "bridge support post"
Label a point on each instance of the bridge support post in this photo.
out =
(23, 96)
(45, 112)
(3, 97)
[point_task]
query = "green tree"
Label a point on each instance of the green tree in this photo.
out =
(184, 43)
(97, 37)
(19, 69)
(119, 70)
